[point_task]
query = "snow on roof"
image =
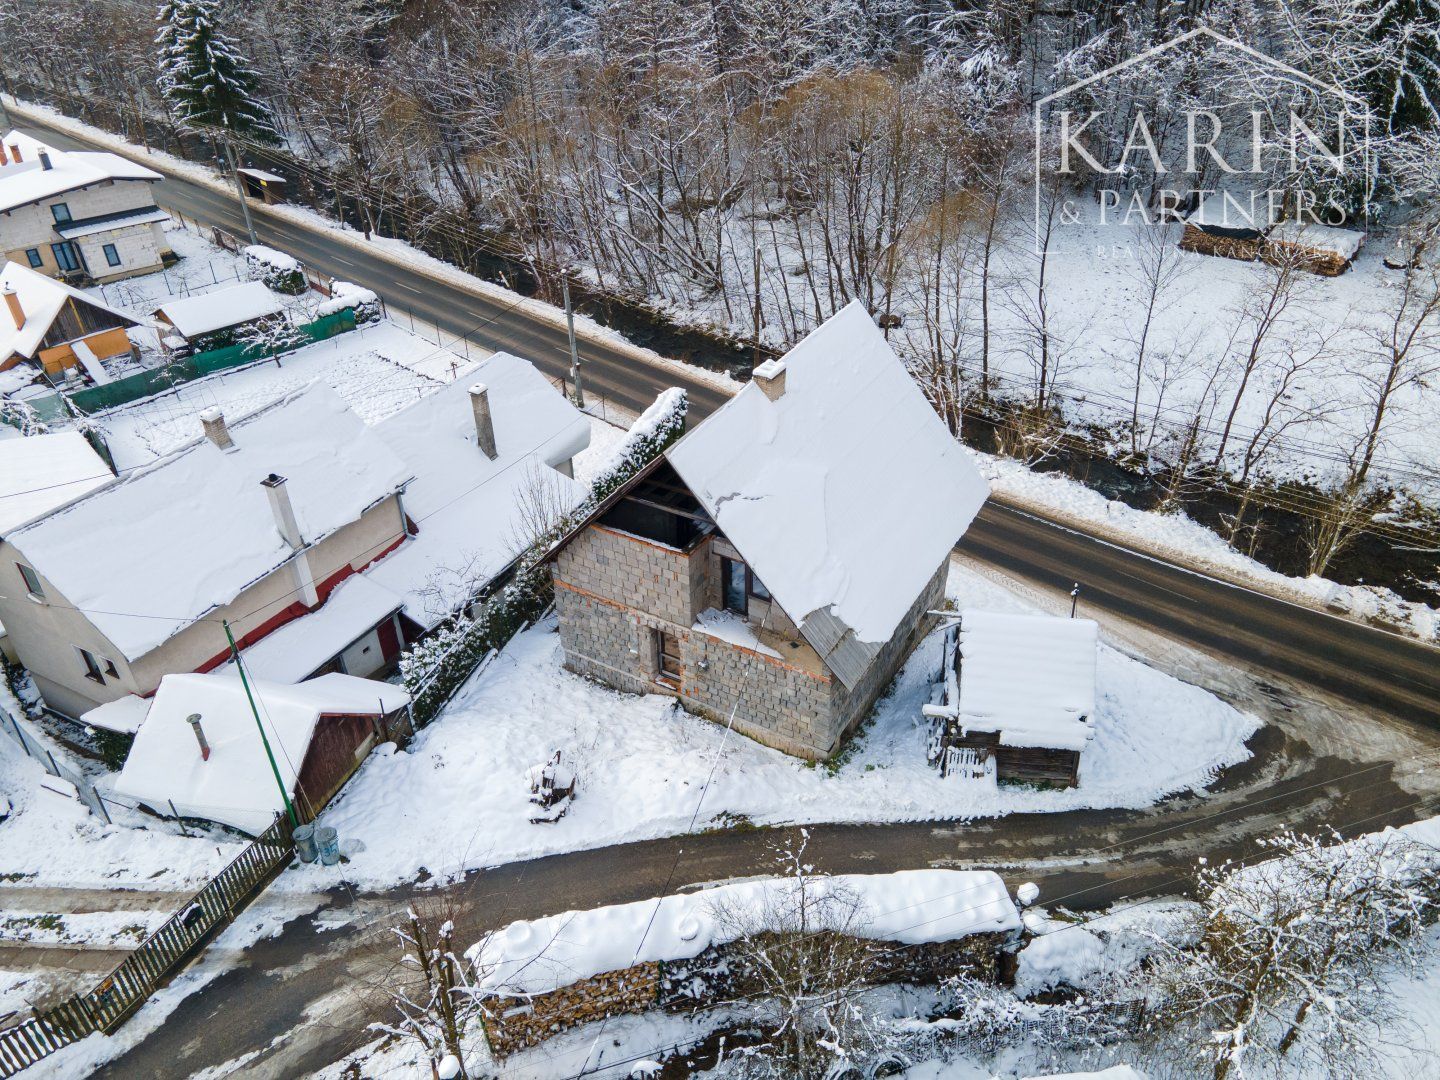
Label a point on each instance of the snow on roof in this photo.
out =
(40, 472)
(29, 181)
(208, 312)
(1114, 1072)
(299, 648)
(1029, 677)
(845, 493)
(280, 260)
(1245, 211)
(470, 510)
(90, 226)
(168, 543)
(910, 907)
(124, 714)
(236, 786)
(261, 174)
(1342, 242)
(41, 300)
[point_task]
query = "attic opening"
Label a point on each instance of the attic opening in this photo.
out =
(661, 508)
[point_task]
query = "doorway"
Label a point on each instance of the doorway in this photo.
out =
(668, 647)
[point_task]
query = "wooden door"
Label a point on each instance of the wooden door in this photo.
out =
(670, 669)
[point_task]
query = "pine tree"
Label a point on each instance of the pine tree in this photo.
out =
(204, 79)
(1403, 80)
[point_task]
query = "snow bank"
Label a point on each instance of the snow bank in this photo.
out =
(911, 907)
(275, 260)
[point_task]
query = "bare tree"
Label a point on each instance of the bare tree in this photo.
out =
(1157, 267)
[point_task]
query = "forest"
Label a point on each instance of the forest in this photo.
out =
(742, 169)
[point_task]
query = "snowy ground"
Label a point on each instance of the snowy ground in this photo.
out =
(458, 798)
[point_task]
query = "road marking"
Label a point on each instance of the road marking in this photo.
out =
(407, 288)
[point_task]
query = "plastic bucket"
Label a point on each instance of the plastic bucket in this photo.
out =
(305, 843)
(328, 843)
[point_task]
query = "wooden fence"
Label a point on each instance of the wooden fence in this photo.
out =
(116, 997)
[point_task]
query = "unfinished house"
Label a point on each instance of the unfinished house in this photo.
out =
(1016, 699)
(774, 568)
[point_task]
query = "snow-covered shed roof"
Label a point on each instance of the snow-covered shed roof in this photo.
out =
(843, 495)
(302, 646)
(208, 312)
(124, 714)
(169, 542)
(1029, 677)
(236, 786)
(911, 907)
(1308, 234)
(469, 509)
(28, 181)
(41, 299)
(41, 472)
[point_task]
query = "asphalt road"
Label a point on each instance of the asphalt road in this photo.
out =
(294, 1001)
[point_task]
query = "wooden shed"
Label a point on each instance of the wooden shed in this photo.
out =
(1320, 249)
(1017, 698)
(1231, 225)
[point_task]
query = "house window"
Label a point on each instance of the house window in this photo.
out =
(111, 255)
(65, 257)
(61, 213)
(92, 665)
(732, 585)
(33, 254)
(757, 587)
(32, 581)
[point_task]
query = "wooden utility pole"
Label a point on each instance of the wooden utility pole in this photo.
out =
(574, 353)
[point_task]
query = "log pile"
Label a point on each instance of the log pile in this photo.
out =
(513, 1023)
(1198, 240)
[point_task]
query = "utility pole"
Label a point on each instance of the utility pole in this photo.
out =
(245, 682)
(574, 353)
(239, 186)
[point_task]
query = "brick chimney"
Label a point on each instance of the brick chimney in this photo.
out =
(12, 301)
(4, 158)
(279, 495)
(45, 165)
(15, 151)
(770, 376)
(194, 721)
(484, 423)
(215, 430)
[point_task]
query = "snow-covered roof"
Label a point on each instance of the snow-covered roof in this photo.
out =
(910, 907)
(261, 174)
(470, 510)
(40, 472)
(280, 260)
(90, 226)
(844, 494)
(1342, 242)
(300, 647)
(1029, 677)
(236, 786)
(124, 714)
(41, 299)
(28, 181)
(169, 542)
(1242, 211)
(208, 312)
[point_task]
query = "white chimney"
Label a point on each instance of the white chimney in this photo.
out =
(274, 486)
(771, 378)
(484, 423)
(215, 430)
(12, 301)
(45, 161)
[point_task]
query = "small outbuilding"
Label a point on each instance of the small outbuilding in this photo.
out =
(199, 752)
(212, 320)
(59, 326)
(1229, 224)
(1320, 249)
(1017, 697)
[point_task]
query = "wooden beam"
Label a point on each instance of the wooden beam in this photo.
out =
(668, 509)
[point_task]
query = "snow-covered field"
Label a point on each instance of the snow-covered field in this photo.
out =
(458, 799)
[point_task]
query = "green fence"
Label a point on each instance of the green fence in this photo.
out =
(143, 384)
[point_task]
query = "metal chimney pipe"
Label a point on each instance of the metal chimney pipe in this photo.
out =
(194, 721)
(45, 161)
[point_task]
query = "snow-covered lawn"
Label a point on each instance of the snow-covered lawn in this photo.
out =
(458, 798)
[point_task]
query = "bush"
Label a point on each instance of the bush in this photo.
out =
(280, 272)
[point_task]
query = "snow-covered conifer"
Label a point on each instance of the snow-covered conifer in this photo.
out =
(205, 80)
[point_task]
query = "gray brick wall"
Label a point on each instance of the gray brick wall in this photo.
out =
(631, 571)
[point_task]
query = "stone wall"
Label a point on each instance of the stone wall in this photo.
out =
(513, 1024)
(849, 707)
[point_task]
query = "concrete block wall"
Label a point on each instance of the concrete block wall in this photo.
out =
(603, 641)
(852, 706)
(631, 571)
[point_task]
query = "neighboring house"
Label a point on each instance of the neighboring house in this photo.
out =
(255, 524)
(40, 472)
(1018, 700)
(78, 214)
(774, 568)
(213, 319)
(61, 327)
(199, 753)
(489, 453)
